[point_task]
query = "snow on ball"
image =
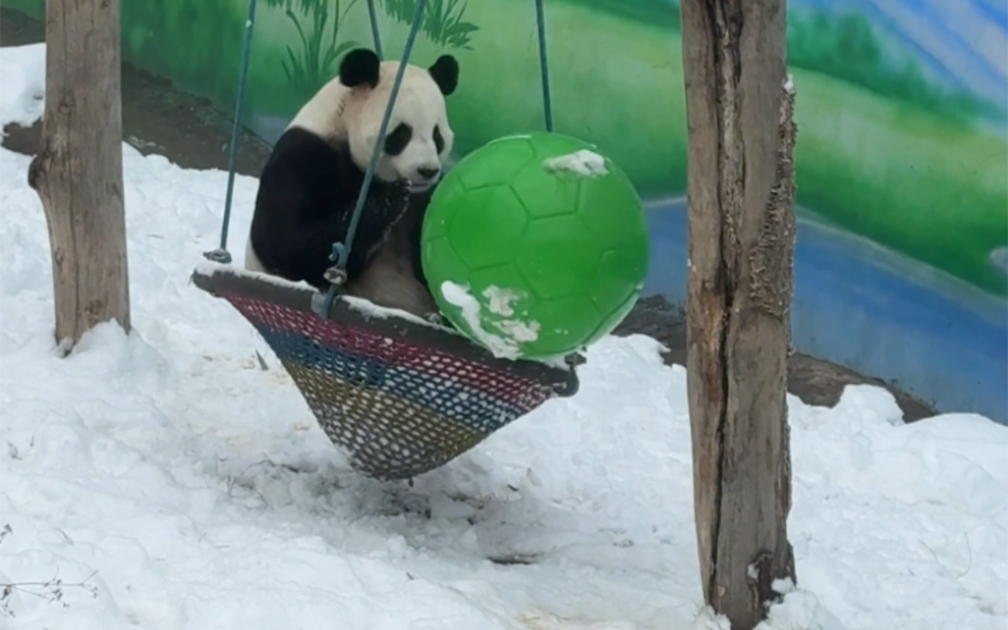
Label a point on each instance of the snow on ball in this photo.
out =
(535, 246)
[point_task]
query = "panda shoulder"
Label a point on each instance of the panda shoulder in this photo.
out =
(322, 115)
(317, 133)
(300, 148)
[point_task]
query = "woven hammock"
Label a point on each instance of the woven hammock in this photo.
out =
(399, 395)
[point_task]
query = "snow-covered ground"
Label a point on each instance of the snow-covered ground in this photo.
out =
(185, 488)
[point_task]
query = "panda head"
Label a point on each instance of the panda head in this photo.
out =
(418, 138)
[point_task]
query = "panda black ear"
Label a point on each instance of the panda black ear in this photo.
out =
(445, 73)
(359, 67)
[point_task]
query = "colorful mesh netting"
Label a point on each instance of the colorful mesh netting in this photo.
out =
(401, 397)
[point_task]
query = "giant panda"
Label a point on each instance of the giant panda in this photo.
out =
(311, 180)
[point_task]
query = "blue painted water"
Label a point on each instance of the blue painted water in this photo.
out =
(874, 311)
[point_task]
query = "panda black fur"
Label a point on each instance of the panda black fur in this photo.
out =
(311, 181)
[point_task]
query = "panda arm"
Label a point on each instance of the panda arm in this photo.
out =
(383, 206)
(307, 245)
(312, 241)
(305, 204)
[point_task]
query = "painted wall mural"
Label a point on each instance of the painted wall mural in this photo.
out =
(902, 158)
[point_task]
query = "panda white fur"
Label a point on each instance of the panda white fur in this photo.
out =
(311, 181)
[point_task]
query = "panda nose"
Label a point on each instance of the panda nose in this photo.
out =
(428, 173)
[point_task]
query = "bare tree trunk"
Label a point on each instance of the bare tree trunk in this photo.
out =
(741, 252)
(78, 171)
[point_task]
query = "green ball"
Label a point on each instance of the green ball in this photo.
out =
(534, 246)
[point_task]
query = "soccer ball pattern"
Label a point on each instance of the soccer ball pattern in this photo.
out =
(555, 260)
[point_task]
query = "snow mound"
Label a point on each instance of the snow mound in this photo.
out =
(22, 75)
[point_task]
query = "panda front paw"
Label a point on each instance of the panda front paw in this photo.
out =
(398, 191)
(397, 202)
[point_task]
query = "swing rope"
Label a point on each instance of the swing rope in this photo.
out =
(374, 29)
(221, 254)
(544, 66)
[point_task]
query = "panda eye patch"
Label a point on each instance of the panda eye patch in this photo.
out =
(396, 141)
(438, 140)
